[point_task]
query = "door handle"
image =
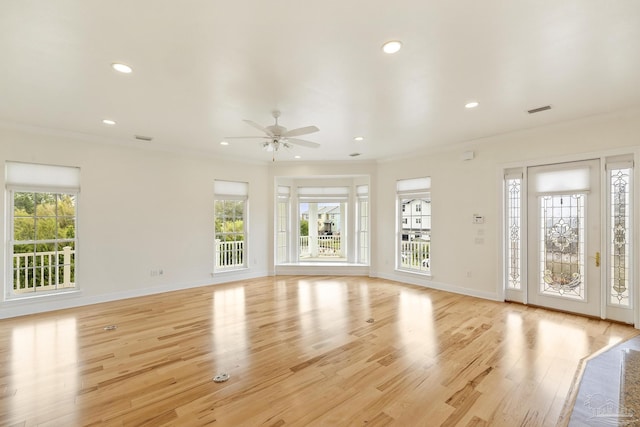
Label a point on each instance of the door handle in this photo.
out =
(597, 259)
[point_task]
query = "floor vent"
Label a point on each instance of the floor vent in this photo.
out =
(220, 378)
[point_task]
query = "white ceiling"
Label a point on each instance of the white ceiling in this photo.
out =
(201, 67)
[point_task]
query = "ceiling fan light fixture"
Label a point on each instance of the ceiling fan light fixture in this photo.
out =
(392, 46)
(122, 68)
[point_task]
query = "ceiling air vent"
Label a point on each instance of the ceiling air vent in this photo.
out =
(537, 110)
(354, 154)
(143, 138)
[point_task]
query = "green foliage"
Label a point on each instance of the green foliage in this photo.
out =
(227, 231)
(229, 220)
(304, 227)
(43, 216)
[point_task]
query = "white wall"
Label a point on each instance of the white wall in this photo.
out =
(140, 209)
(463, 188)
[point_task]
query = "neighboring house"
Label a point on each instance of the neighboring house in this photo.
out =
(329, 220)
(416, 219)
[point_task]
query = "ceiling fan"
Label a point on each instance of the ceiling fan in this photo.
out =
(277, 136)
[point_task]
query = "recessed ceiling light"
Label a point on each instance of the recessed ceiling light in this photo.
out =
(296, 157)
(108, 122)
(392, 46)
(224, 143)
(359, 138)
(472, 104)
(122, 68)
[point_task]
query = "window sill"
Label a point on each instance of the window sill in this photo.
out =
(229, 270)
(414, 272)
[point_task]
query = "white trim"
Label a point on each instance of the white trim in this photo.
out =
(322, 268)
(430, 284)
(621, 155)
(75, 299)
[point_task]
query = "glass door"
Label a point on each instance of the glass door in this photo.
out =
(564, 237)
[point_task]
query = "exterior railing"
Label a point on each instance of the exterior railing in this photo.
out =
(415, 255)
(43, 271)
(304, 246)
(326, 246)
(229, 254)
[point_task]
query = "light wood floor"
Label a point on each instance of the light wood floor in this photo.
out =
(299, 351)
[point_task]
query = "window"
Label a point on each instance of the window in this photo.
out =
(414, 231)
(282, 224)
(362, 192)
(42, 200)
(322, 221)
(513, 234)
(619, 233)
(230, 225)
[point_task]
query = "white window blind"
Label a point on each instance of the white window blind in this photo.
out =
(413, 185)
(283, 190)
(34, 176)
(231, 188)
(562, 180)
(323, 191)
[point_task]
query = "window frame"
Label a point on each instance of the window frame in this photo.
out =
(406, 191)
(362, 224)
(231, 191)
(27, 177)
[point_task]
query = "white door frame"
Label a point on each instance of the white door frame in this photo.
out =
(520, 295)
(587, 195)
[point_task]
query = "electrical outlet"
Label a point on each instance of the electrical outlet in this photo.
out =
(478, 219)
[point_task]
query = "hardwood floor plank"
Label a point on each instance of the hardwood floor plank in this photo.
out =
(300, 351)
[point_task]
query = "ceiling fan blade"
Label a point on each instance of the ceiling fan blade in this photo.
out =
(300, 131)
(303, 142)
(257, 126)
(246, 137)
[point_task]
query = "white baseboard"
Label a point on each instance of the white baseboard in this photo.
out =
(43, 304)
(319, 269)
(26, 306)
(426, 282)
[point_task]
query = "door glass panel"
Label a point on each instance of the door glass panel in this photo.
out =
(620, 237)
(513, 232)
(562, 245)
